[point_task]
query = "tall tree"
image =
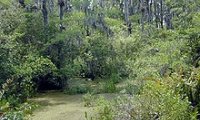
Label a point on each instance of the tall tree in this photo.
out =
(45, 12)
(126, 11)
(143, 9)
(51, 5)
(61, 4)
(168, 19)
(161, 13)
(156, 13)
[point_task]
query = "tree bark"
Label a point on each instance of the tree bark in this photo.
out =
(126, 11)
(142, 8)
(51, 5)
(167, 19)
(161, 13)
(155, 13)
(45, 12)
(150, 11)
(61, 5)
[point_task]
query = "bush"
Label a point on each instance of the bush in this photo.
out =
(32, 67)
(159, 101)
(103, 111)
(132, 89)
(115, 78)
(88, 100)
(108, 87)
(13, 115)
(16, 113)
(156, 101)
(78, 86)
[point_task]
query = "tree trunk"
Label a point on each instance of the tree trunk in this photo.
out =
(161, 13)
(51, 5)
(126, 11)
(155, 13)
(45, 12)
(39, 4)
(101, 3)
(61, 5)
(61, 13)
(150, 11)
(158, 13)
(142, 8)
(131, 8)
(168, 18)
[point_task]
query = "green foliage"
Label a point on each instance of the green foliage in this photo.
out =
(10, 20)
(114, 12)
(82, 86)
(88, 100)
(14, 115)
(104, 110)
(32, 53)
(109, 87)
(115, 78)
(5, 3)
(78, 86)
(132, 89)
(19, 113)
(35, 66)
(32, 67)
(10, 107)
(157, 100)
(190, 87)
(158, 52)
(34, 34)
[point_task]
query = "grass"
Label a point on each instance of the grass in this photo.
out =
(5, 3)
(82, 86)
(99, 86)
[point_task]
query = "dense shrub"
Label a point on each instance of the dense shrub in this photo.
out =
(156, 101)
(88, 100)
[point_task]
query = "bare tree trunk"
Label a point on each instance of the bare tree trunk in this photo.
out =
(161, 13)
(158, 14)
(168, 18)
(126, 11)
(147, 10)
(131, 11)
(61, 5)
(61, 13)
(101, 3)
(51, 5)
(39, 4)
(155, 13)
(150, 11)
(127, 3)
(142, 8)
(45, 12)
(35, 3)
